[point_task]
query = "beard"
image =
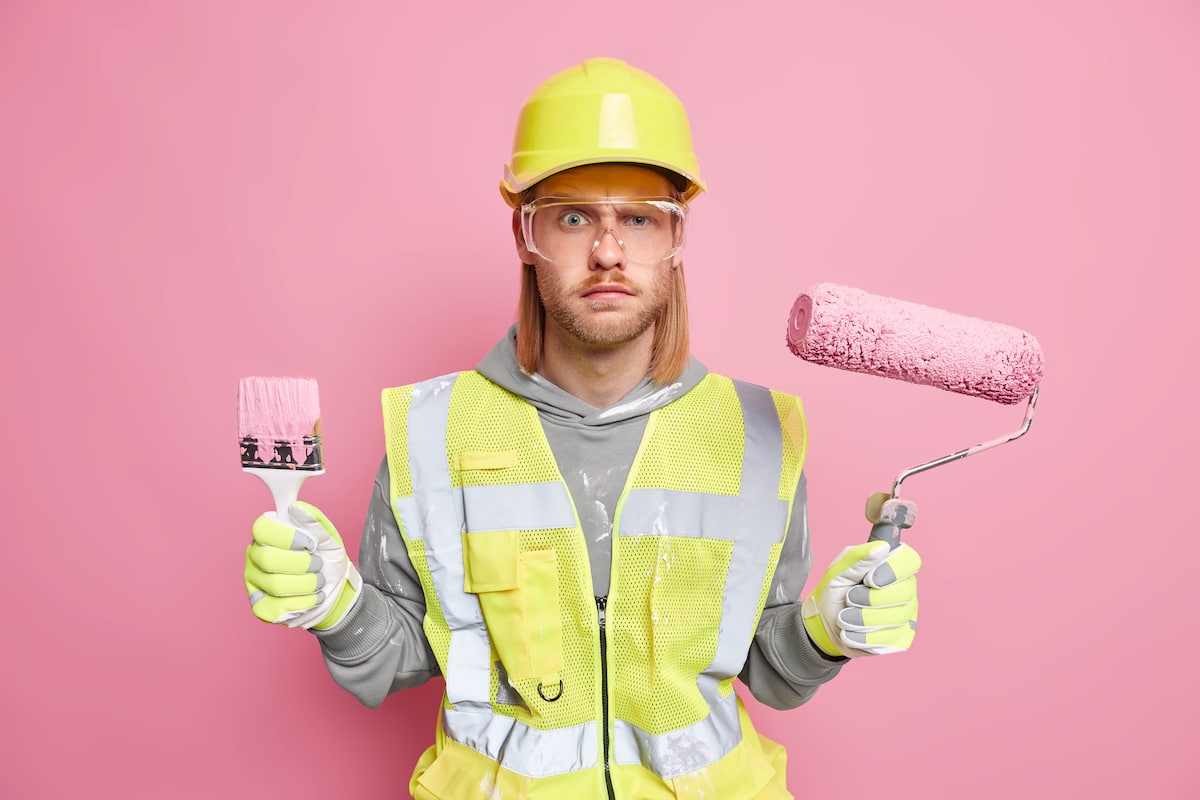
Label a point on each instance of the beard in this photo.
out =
(604, 323)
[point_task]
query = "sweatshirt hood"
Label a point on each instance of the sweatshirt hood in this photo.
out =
(501, 368)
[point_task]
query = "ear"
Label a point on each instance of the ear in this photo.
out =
(519, 238)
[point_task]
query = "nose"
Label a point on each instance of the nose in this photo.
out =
(608, 252)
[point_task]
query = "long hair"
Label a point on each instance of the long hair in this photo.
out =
(669, 352)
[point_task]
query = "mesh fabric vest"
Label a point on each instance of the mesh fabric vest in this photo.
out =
(535, 706)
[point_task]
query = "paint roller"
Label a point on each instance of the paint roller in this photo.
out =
(850, 329)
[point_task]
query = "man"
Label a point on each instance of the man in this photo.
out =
(589, 536)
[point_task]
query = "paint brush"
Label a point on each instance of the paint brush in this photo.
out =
(279, 430)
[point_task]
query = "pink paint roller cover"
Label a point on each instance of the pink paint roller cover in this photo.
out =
(838, 326)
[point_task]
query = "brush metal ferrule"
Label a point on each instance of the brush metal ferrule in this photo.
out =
(302, 453)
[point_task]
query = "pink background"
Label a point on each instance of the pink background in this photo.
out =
(193, 193)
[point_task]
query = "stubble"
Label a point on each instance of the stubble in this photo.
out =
(604, 323)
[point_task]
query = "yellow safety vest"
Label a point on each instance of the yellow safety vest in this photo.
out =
(551, 693)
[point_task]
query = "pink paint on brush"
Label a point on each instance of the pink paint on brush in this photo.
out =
(838, 326)
(279, 431)
(278, 411)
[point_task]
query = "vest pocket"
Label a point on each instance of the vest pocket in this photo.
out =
(519, 594)
(491, 561)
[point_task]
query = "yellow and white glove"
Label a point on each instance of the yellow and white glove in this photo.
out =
(298, 572)
(866, 603)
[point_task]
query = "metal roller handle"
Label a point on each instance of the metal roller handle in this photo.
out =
(970, 451)
(889, 515)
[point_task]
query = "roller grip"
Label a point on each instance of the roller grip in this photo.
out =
(888, 516)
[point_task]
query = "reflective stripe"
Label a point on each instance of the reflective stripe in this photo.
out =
(436, 508)
(436, 516)
(521, 506)
(410, 517)
(520, 748)
(686, 750)
(663, 512)
(761, 523)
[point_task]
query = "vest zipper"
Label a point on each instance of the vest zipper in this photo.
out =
(601, 604)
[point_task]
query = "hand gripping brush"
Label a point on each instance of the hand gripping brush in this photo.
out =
(838, 326)
(279, 430)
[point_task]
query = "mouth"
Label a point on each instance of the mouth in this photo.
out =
(607, 291)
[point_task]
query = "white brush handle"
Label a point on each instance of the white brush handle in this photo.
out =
(284, 485)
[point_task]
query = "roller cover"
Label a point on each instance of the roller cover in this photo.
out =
(838, 326)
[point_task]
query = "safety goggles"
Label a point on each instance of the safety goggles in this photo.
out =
(561, 230)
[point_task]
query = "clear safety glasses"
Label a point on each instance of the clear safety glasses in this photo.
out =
(561, 230)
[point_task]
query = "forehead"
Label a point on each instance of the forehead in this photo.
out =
(606, 180)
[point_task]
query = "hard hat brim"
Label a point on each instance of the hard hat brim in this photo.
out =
(513, 186)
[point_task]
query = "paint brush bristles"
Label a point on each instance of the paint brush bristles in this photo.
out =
(279, 423)
(279, 431)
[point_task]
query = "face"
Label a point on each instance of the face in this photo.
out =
(602, 299)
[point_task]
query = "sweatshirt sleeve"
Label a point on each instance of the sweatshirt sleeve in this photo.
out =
(784, 668)
(380, 647)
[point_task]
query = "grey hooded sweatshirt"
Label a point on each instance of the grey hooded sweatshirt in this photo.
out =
(380, 646)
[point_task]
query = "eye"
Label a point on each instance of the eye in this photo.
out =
(573, 219)
(642, 223)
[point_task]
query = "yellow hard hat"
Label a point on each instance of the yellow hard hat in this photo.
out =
(598, 112)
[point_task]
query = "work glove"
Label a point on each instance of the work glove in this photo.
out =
(297, 570)
(866, 603)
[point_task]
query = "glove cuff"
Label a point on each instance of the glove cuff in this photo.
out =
(351, 586)
(361, 632)
(814, 626)
(794, 643)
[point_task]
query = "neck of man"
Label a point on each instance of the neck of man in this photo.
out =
(599, 375)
